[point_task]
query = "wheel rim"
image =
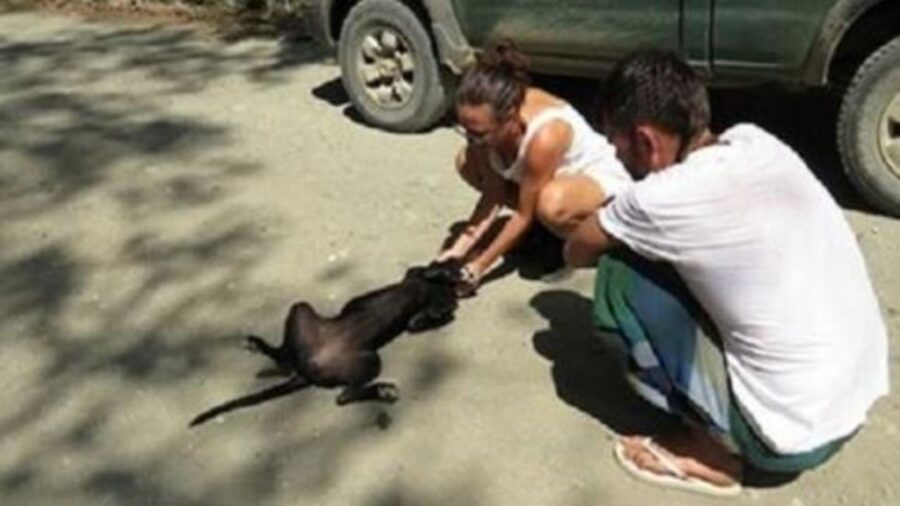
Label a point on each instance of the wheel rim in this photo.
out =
(889, 138)
(386, 67)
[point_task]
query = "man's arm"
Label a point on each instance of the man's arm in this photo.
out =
(585, 245)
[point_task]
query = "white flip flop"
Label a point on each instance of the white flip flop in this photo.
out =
(676, 478)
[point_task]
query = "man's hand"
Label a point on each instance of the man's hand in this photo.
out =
(587, 242)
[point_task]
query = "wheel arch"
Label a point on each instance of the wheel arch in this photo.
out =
(438, 17)
(852, 31)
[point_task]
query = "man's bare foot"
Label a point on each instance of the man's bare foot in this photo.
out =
(693, 451)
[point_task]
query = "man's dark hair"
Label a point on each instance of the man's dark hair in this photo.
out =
(655, 87)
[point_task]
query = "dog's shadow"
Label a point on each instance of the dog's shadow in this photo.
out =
(589, 367)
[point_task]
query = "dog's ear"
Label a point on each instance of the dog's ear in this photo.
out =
(416, 271)
(446, 272)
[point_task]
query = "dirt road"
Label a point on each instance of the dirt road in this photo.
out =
(163, 192)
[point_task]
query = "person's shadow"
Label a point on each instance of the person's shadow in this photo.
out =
(589, 367)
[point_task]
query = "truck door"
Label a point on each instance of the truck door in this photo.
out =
(599, 31)
(765, 36)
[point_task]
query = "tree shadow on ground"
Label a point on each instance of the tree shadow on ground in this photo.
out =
(175, 58)
(589, 367)
(453, 491)
(262, 23)
(127, 280)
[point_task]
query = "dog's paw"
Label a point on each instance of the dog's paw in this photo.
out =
(387, 392)
(345, 397)
(253, 344)
(380, 392)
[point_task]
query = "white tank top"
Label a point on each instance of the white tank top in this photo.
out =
(589, 153)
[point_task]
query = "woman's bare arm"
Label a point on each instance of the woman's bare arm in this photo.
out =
(543, 156)
(477, 225)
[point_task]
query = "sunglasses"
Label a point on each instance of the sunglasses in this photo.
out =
(473, 138)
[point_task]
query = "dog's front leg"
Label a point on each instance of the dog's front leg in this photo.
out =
(429, 319)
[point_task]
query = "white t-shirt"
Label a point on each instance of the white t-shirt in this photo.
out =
(769, 255)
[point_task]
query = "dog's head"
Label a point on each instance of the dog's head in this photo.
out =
(436, 284)
(446, 273)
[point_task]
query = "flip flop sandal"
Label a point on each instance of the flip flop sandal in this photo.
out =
(675, 477)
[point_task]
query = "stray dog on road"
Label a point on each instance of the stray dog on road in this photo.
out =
(343, 350)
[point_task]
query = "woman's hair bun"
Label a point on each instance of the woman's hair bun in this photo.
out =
(504, 56)
(499, 78)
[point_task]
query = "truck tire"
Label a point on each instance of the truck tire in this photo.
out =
(868, 129)
(389, 67)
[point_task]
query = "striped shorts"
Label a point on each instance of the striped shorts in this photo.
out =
(675, 357)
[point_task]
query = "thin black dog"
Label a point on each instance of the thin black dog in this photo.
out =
(343, 350)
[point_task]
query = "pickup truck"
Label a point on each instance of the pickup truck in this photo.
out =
(400, 58)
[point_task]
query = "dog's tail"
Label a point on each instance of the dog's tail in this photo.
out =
(279, 390)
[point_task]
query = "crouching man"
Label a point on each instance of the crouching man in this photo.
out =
(736, 284)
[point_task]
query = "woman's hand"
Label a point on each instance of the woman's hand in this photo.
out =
(470, 275)
(482, 218)
(449, 254)
(460, 248)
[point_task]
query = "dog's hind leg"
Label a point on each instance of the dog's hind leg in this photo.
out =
(381, 391)
(279, 390)
(256, 344)
(364, 368)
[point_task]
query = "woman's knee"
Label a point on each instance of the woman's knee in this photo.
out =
(552, 207)
(565, 201)
(559, 207)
